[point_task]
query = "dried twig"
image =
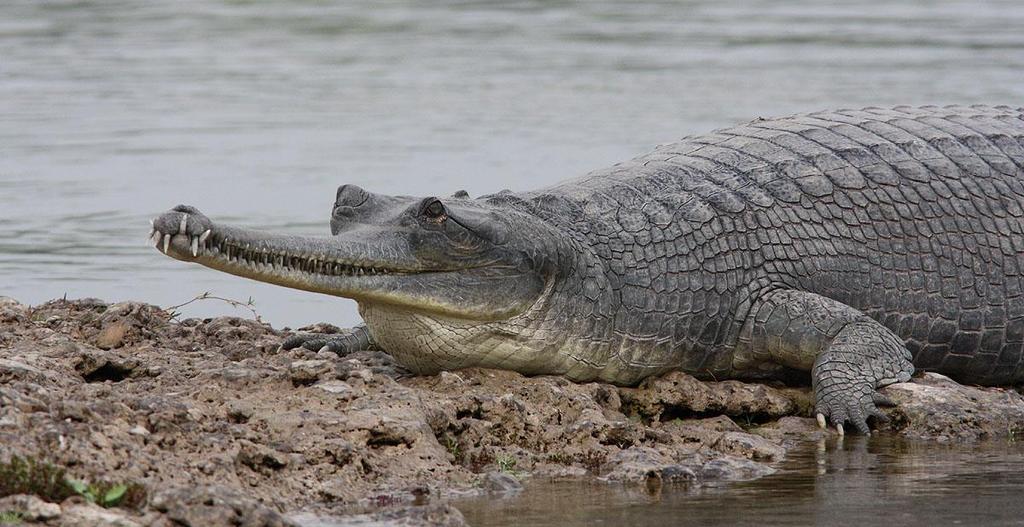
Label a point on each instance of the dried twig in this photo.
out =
(249, 304)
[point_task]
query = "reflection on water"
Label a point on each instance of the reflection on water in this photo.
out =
(876, 481)
(255, 111)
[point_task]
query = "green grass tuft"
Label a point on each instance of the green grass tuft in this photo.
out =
(51, 483)
(32, 476)
(507, 464)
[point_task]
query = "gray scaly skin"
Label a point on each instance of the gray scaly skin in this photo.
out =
(851, 244)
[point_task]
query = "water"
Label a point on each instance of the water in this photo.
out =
(113, 111)
(876, 481)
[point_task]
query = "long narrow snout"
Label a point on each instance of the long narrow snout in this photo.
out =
(315, 264)
(377, 267)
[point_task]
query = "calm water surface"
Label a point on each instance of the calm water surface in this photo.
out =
(881, 481)
(115, 110)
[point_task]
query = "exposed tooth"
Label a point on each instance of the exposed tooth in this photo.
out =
(151, 225)
(184, 223)
(204, 236)
(154, 238)
(195, 246)
(167, 242)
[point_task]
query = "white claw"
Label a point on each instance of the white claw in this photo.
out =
(195, 246)
(821, 421)
(154, 238)
(167, 242)
(184, 224)
(839, 430)
(204, 236)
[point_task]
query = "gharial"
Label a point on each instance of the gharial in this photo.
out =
(851, 244)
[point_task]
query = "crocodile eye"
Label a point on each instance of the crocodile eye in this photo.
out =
(435, 210)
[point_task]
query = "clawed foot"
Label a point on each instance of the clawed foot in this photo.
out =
(861, 358)
(838, 407)
(355, 339)
(182, 225)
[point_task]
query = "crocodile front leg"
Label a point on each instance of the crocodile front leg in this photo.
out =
(848, 354)
(354, 339)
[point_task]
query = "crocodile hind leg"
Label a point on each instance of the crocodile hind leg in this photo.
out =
(355, 339)
(848, 354)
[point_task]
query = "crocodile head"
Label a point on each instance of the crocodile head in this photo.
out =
(453, 257)
(425, 271)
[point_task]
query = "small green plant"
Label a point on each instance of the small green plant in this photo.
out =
(107, 495)
(50, 482)
(11, 518)
(102, 495)
(506, 463)
(29, 475)
(453, 447)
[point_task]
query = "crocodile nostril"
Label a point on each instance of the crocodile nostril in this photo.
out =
(350, 196)
(344, 211)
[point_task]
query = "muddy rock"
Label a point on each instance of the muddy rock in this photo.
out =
(640, 464)
(731, 468)
(791, 428)
(551, 471)
(749, 446)
(340, 389)
(933, 406)
(97, 365)
(13, 369)
(501, 483)
(112, 335)
(219, 426)
(305, 372)
(31, 508)
(677, 394)
(12, 312)
(216, 506)
(89, 515)
(433, 515)
(259, 457)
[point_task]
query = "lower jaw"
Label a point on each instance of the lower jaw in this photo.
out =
(427, 344)
(320, 277)
(423, 344)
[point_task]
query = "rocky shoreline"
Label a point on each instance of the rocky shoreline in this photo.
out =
(214, 425)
